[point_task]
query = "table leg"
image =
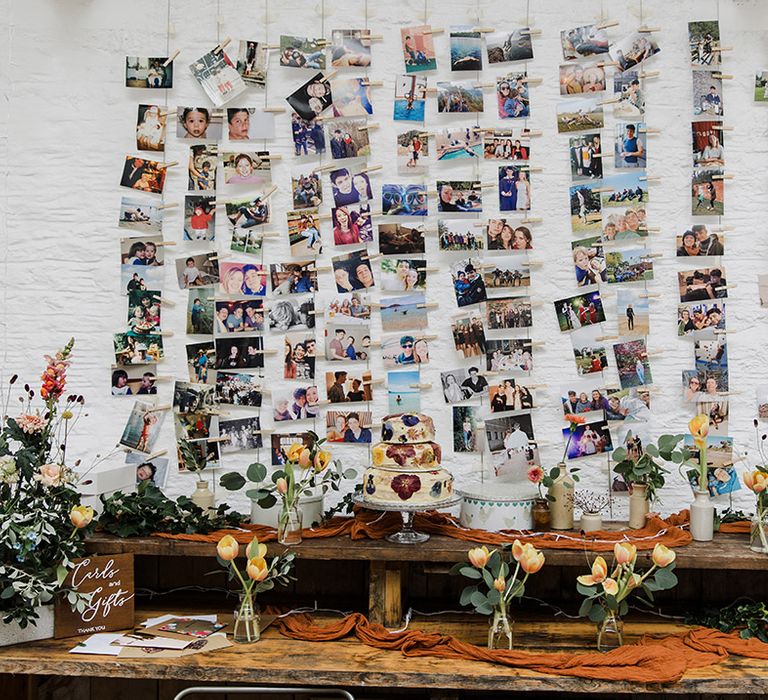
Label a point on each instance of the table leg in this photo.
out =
(385, 604)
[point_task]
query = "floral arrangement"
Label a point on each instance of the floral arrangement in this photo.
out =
(41, 521)
(699, 428)
(644, 464)
(756, 481)
(590, 501)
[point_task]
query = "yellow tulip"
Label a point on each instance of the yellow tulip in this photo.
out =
(500, 584)
(322, 460)
(532, 559)
(598, 575)
(634, 581)
(260, 549)
(479, 556)
(305, 458)
(610, 586)
(662, 556)
(624, 552)
(756, 481)
(81, 516)
(294, 451)
(517, 550)
(257, 568)
(699, 427)
(227, 548)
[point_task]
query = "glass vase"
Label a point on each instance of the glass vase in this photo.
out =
(500, 630)
(610, 632)
(541, 515)
(758, 533)
(247, 621)
(289, 525)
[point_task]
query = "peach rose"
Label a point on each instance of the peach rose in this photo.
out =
(51, 475)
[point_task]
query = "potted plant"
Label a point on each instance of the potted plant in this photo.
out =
(756, 481)
(194, 458)
(494, 589)
(41, 521)
(591, 504)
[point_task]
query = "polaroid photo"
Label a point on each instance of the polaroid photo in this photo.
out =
(514, 188)
(201, 169)
(139, 215)
(467, 436)
(194, 426)
(312, 98)
(349, 138)
(469, 334)
(458, 143)
(410, 98)
(348, 387)
(251, 63)
(279, 444)
(508, 395)
(761, 391)
(238, 316)
(630, 149)
(761, 86)
(580, 114)
(306, 188)
(218, 76)
(459, 96)
(351, 309)
(148, 72)
(299, 352)
(134, 349)
(300, 403)
(239, 352)
(193, 398)
(150, 128)
(199, 123)
(586, 396)
(466, 48)
(623, 226)
(154, 470)
(404, 200)
(404, 313)
(586, 208)
(511, 443)
(512, 100)
(418, 48)
(199, 454)
(397, 239)
(707, 192)
(506, 273)
(291, 313)
(705, 318)
(588, 439)
(308, 136)
(349, 426)
(626, 87)
(243, 279)
(246, 168)
(245, 213)
(348, 187)
(239, 389)
(624, 266)
(632, 313)
(143, 427)
(459, 196)
(703, 284)
(582, 42)
(707, 141)
(293, 278)
(589, 353)
(201, 358)
(504, 313)
(351, 97)
(403, 350)
(350, 48)
(586, 157)
(413, 152)
(347, 342)
(585, 309)
(589, 261)
(403, 274)
(632, 363)
(633, 50)
(577, 79)
(509, 355)
(403, 394)
(304, 232)
(143, 312)
(143, 175)
(133, 381)
(468, 284)
(704, 44)
(506, 144)
(199, 217)
(459, 234)
(239, 435)
(502, 234)
(302, 52)
(146, 251)
(507, 47)
(628, 404)
(353, 271)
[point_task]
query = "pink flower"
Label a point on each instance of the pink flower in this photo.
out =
(31, 423)
(535, 474)
(51, 475)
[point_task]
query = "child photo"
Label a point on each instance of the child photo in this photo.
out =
(588, 439)
(586, 208)
(707, 192)
(308, 136)
(201, 454)
(351, 97)
(199, 123)
(143, 72)
(510, 442)
(632, 363)
(418, 48)
(632, 50)
(302, 52)
(459, 96)
(312, 98)
(701, 318)
(299, 356)
(218, 77)
(243, 279)
(459, 195)
(629, 145)
(584, 41)
(293, 278)
(404, 200)
(295, 404)
(133, 381)
(235, 389)
(466, 433)
(352, 224)
(247, 168)
(240, 434)
(514, 188)
(506, 313)
(348, 387)
(353, 271)
(199, 218)
(238, 316)
(462, 142)
(578, 311)
(239, 352)
(347, 342)
(631, 104)
(459, 234)
(352, 309)
(350, 188)
(622, 266)
(589, 353)
(509, 395)
(144, 175)
(702, 284)
(704, 44)
(291, 313)
(502, 234)
(280, 443)
(193, 398)
(466, 49)
(404, 350)
(146, 251)
(306, 187)
(403, 394)
(576, 79)
(349, 138)
(469, 335)
(203, 158)
(138, 215)
(505, 273)
(506, 144)
(468, 282)
(580, 114)
(506, 47)
(304, 232)
(138, 350)
(201, 357)
(589, 261)
(154, 470)
(350, 48)
(252, 62)
(143, 427)
(632, 313)
(412, 152)
(403, 313)
(410, 98)
(352, 426)
(403, 274)
(143, 312)
(586, 157)
(396, 239)
(509, 355)
(150, 128)
(707, 141)
(247, 213)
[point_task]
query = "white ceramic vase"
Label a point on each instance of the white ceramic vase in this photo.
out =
(591, 522)
(203, 497)
(11, 633)
(702, 517)
(562, 507)
(310, 507)
(638, 506)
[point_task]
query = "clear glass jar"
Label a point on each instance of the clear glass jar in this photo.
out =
(500, 630)
(610, 632)
(758, 533)
(289, 525)
(247, 621)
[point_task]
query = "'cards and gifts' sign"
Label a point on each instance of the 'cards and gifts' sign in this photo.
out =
(108, 580)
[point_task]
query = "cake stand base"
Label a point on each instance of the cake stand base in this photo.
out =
(407, 535)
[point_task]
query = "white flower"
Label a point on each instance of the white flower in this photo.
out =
(9, 474)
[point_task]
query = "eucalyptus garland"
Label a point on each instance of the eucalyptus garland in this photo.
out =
(745, 615)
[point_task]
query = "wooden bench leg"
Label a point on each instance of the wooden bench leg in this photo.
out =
(385, 602)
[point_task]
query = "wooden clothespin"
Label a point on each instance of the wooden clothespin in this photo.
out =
(168, 206)
(223, 45)
(276, 110)
(171, 58)
(165, 166)
(606, 23)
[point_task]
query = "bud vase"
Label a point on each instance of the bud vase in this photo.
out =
(610, 632)
(702, 517)
(591, 522)
(638, 505)
(500, 630)
(758, 534)
(541, 515)
(289, 525)
(203, 497)
(562, 507)
(247, 621)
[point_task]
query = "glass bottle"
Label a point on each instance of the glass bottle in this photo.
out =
(247, 620)
(289, 525)
(610, 632)
(500, 630)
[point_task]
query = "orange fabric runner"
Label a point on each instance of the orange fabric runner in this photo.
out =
(648, 661)
(376, 526)
(740, 527)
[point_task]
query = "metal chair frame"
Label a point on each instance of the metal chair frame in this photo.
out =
(263, 690)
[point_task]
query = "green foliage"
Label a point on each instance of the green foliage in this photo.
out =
(648, 468)
(750, 618)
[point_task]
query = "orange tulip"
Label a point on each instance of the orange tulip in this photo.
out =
(624, 552)
(257, 569)
(517, 550)
(634, 581)
(598, 575)
(305, 458)
(81, 516)
(322, 460)
(662, 556)
(500, 584)
(532, 559)
(294, 451)
(256, 550)
(227, 548)
(610, 586)
(699, 428)
(479, 556)
(756, 481)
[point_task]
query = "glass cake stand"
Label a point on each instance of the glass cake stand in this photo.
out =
(407, 535)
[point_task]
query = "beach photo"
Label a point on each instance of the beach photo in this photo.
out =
(403, 394)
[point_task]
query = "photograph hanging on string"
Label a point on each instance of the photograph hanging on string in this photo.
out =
(350, 48)
(304, 232)
(580, 114)
(348, 386)
(707, 94)
(705, 318)
(403, 274)
(351, 97)
(632, 363)
(238, 389)
(352, 309)
(507, 47)
(576, 79)
(469, 334)
(629, 265)
(589, 261)
(405, 199)
(291, 313)
(150, 128)
(630, 149)
(293, 278)
(142, 428)
(247, 168)
(466, 48)
(410, 98)
(403, 394)
(632, 313)
(148, 72)
(508, 395)
(350, 187)
(299, 403)
(403, 313)
(698, 241)
(633, 49)
(459, 196)
(146, 251)
(251, 63)
(243, 279)
(201, 168)
(503, 234)
(299, 355)
(199, 123)
(584, 41)
(626, 87)
(511, 355)
(199, 218)
(704, 44)
(249, 124)
(589, 350)
(702, 284)
(197, 455)
(586, 208)
(761, 86)
(506, 144)
(588, 439)
(198, 270)
(468, 282)
(306, 187)
(140, 215)
(240, 434)
(347, 342)
(239, 352)
(460, 234)
(707, 192)
(308, 136)
(144, 175)
(134, 381)
(512, 100)
(398, 239)
(503, 313)
(281, 443)
(404, 350)
(418, 48)
(143, 312)
(413, 152)
(631, 405)
(586, 157)
(584, 396)
(514, 188)
(201, 358)
(302, 52)
(348, 138)
(132, 349)
(507, 272)
(312, 98)
(457, 143)
(238, 316)
(154, 470)
(707, 140)
(511, 443)
(467, 435)
(349, 426)
(352, 224)
(459, 96)
(218, 77)
(575, 312)
(194, 426)
(353, 271)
